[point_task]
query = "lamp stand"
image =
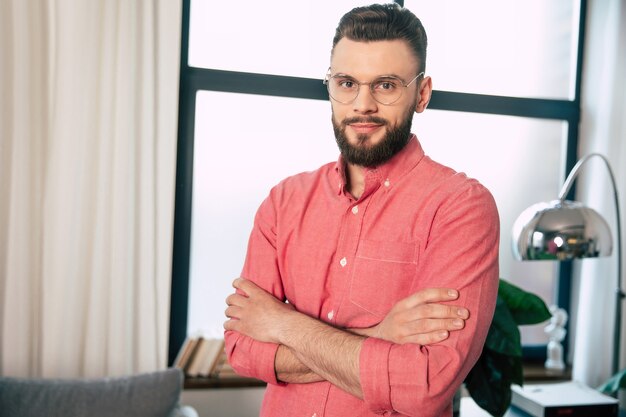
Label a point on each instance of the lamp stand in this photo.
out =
(619, 293)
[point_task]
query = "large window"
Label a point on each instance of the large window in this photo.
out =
(253, 110)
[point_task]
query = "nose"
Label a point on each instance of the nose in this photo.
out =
(364, 102)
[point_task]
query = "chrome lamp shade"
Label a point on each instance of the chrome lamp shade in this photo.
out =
(561, 230)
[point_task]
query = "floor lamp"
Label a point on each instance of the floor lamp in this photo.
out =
(563, 229)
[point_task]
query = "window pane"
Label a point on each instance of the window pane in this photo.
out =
(282, 37)
(235, 168)
(501, 47)
(524, 49)
(519, 161)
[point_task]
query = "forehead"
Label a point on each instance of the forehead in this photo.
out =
(369, 59)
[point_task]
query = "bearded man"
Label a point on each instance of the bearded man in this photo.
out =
(360, 277)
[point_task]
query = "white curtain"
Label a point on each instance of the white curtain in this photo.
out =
(88, 111)
(603, 130)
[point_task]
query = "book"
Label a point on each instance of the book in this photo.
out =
(193, 361)
(213, 348)
(571, 399)
(204, 357)
(182, 358)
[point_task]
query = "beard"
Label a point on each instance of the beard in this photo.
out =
(370, 156)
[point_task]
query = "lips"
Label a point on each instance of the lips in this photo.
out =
(365, 128)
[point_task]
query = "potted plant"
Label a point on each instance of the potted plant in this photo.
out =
(500, 364)
(614, 384)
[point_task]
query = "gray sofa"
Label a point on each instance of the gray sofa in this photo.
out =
(154, 394)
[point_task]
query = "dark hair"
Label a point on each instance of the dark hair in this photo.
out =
(381, 22)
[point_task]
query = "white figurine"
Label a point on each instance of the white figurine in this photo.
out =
(556, 332)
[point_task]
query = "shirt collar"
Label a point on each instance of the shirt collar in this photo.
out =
(388, 173)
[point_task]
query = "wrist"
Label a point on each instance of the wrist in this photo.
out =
(367, 331)
(290, 322)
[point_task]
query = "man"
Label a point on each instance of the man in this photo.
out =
(360, 275)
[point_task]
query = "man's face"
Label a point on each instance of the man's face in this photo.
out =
(369, 133)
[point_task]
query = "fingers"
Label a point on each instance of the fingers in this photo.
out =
(232, 312)
(231, 325)
(425, 332)
(235, 303)
(432, 325)
(430, 295)
(435, 311)
(427, 338)
(246, 286)
(236, 300)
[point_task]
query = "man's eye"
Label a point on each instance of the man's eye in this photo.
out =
(348, 84)
(385, 85)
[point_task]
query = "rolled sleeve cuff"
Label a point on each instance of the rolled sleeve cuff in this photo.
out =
(251, 358)
(265, 357)
(374, 374)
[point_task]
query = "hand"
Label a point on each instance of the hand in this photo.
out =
(254, 312)
(420, 318)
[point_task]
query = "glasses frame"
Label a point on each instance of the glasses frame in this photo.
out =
(404, 84)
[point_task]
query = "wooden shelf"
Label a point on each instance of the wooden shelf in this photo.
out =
(222, 382)
(537, 372)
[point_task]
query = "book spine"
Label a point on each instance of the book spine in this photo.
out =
(192, 361)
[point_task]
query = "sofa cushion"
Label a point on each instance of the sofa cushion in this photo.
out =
(153, 394)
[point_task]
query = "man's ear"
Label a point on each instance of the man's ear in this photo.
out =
(423, 95)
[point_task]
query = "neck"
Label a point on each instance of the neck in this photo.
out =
(355, 180)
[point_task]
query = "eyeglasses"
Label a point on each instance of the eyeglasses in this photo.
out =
(385, 90)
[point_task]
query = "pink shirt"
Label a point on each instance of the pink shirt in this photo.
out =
(417, 225)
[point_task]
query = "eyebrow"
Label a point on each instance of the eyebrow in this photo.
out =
(341, 74)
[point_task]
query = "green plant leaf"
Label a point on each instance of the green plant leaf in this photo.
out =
(489, 381)
(525, 307)
(613, 384)
(503, 335)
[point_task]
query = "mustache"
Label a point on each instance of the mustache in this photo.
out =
(369, 119)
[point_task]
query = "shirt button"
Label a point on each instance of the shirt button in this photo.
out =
(330, 315)
(314, 415)
(387, 183)
(343, 262)
(355, 209)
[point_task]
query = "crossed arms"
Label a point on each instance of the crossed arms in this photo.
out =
(310, 350)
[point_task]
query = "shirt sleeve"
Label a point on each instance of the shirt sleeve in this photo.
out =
(247, 356)
(462, 253)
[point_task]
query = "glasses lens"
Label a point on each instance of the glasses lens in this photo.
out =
(386, 90)
(343, 89)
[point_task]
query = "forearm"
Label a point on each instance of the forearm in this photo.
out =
(331, 353)
(291, 370)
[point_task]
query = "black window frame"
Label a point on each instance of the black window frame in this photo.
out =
(194, 79)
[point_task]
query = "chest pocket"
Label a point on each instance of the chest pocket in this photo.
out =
(382, 275)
